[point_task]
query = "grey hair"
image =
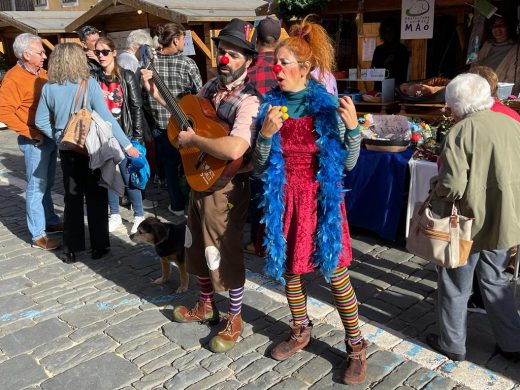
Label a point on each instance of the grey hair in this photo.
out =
(468, 93)
(137, 38)
(22, 42)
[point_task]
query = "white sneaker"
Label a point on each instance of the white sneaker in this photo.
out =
(177, 213)
(114, 222)
(137, 222)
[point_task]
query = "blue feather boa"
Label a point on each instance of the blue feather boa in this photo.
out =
(323, 107)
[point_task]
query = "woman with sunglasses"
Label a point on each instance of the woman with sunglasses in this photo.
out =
(67, 68)
(122, 94)
(306, 140)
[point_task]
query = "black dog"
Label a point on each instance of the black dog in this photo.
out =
(168, 241)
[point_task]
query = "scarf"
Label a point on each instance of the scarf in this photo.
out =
(331, 156)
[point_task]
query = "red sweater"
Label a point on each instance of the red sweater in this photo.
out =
(19, 96)
(503, 109)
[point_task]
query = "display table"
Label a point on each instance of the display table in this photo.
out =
(421, 172)
(376, 188)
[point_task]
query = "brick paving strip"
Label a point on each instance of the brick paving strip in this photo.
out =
(104, 325)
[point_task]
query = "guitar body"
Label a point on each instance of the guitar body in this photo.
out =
(203, 171)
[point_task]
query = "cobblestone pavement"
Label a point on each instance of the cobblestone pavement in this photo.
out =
(103, 324)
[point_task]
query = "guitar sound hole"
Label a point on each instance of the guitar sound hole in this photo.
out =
(188, 124)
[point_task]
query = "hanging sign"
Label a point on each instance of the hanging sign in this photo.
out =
(417, 19)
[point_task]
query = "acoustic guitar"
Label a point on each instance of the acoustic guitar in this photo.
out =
(203, 171)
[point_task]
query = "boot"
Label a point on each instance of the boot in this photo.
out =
(227, 338)
(356, 370)
(300, 338)
(204, 311)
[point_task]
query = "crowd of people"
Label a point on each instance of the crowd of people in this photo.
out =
(296, 139)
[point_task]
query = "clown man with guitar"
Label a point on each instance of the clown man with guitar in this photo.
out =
(214, 132)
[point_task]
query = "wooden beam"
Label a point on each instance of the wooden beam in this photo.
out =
(48, 44)
(418, 59)
(201, 44)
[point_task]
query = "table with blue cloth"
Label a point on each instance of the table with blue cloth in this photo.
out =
(375, 191)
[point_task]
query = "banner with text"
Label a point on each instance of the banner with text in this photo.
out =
(417, 19)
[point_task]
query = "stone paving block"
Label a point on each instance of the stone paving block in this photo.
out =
(420, 379)
(229, 384)
(77, 294)
(187, 336)
(380, 364)
(162, 361)
(247, 345)
(21, 372)
(378, 310)
(440, 383)
(155, 353)
(95, 374)
(29, 338)
(277, 314)
(155, 379)
(244, 361)
(419, 353)
(290, 384)
(313, 371)
(397, 376)
(366, 292)
(255, 369)
(128, 346)
(380, 335)
(86, 315)
(88, 331)
(257, 326)
(147, 347)
(136, 326)
(265, 381)
(184, 379)
(15, 284)
(211, 381)
(215, 362)
(416, 311)
(14, 326)
(13, 303)
(89, 349)
(294, 363)
(402, 301)
(191, 359)
(17, 266)
(52, 347)
(395, 255)
(480, 378)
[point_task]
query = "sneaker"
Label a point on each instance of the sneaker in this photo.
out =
(137, 222)
(177, 213)
(114, 222)
(148, 204)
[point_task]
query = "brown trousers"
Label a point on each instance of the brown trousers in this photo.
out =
(214, 234)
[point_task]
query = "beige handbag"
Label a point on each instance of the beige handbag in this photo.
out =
(442, 241)
(78, 125)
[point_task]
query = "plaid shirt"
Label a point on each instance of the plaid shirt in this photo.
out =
(181, 76)
(261, 75)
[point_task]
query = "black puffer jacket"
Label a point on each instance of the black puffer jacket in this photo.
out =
(132, 110)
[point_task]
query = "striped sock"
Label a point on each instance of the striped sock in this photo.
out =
(206, 289)
(346, 303)
(297, 298)
(235, 300)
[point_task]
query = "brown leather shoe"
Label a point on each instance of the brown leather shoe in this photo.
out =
(299, 339)
(356, 370)
(204, 311)
(58, 228)
(45, 243)
(227, 338)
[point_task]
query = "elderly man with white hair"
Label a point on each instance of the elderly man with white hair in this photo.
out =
(130, 57)
(19, 96)
(478, 170)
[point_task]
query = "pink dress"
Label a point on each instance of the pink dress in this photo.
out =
(300, 197)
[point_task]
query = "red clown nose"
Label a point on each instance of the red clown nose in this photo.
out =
(277, 68)
(224, 60)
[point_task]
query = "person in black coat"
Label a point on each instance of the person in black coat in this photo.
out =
(122, 94)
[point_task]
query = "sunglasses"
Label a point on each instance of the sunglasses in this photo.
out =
(104, 52)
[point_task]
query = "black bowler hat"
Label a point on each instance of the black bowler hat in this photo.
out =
(239, 33)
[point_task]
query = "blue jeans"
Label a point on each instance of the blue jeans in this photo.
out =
(170, 159)
(40, 170)
(134, 194)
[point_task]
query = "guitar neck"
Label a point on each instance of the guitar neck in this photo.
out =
(170, 100)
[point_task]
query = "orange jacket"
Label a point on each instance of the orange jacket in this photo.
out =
(19, 96)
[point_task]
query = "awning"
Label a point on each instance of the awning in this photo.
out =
(39, 22)
(183, 11)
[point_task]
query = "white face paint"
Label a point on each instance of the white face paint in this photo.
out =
(188, 240)
(212, 257)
